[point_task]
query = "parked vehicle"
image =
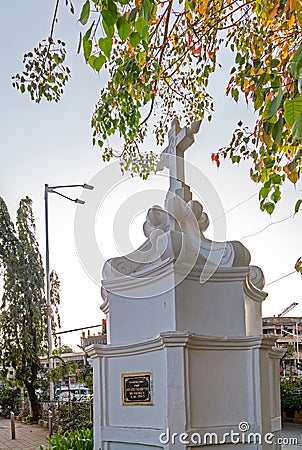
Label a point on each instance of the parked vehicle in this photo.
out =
(73, 393)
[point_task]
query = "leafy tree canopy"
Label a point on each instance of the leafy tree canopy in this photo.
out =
(63, 369)
(65, 349)
(159, 56)
(23, 318)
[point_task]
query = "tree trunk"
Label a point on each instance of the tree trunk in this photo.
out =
(34, 402)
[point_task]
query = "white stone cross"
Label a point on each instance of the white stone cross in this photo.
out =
(180, 139)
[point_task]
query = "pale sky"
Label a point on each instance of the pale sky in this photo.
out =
(51, 143)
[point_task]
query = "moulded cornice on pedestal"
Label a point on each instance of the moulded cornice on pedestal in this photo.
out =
(185, 339)
(163, 269)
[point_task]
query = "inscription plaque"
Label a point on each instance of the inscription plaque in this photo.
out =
(136, 389)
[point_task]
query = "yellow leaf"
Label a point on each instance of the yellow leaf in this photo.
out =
(246, 83)
(267, 139)
(298, 265)
(293, 177)
(203, 6)
(291, 22)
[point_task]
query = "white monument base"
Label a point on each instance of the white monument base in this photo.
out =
(205, 392)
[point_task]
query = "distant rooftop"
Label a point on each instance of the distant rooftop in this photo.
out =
(280, 320)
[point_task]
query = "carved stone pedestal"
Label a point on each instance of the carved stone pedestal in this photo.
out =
(186, 365)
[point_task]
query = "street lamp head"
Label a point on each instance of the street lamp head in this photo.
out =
(81, 202)
(88, 186)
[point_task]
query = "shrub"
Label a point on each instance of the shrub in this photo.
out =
(74, 416)
(29, 418)
(75, 440)
(74, 424)
(291, 394)
(9, 400)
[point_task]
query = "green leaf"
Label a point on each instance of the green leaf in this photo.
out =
(109, 29)
(297, 128)
(269, 162)
(235, 159)
(297, 205)
(274, 63)
(295, 64)
(135, 39)
(80, 43)
(123, 28)
(105, 45)
(145, 45)
(259, 100)
(292, 109)
(190, 4)
(277, 130)
(264, 192)
(99, 62)
(275, 104)
(147, 11)
(235, 94)
(88, 32)
(276, 196)
(110, 16)
(87, 47)
(268, 183)
(270, 208)
(240, 59)
(85, 13)
(276, 178)
(141, 26)
(133, 14)
(91, 60)
(112, 7)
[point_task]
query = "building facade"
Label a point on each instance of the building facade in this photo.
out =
(289, 333)
(91, 339)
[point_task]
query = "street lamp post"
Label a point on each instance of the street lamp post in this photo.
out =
(52, 189)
